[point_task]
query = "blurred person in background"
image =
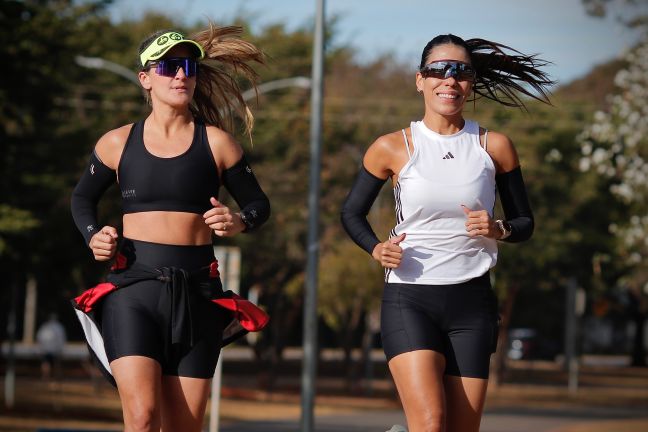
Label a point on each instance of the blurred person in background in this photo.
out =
(51, 338)
(157, 326)
(439, 315)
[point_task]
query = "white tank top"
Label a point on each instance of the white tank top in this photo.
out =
(443, 172)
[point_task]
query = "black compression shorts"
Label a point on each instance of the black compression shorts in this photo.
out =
(459, 320)
(137, 319)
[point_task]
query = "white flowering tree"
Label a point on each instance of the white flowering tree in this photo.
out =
(615, 147)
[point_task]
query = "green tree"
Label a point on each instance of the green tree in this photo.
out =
(616, 148)
(39, 133)
(52, 112)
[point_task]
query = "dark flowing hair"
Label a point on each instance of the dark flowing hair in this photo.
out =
(500, 76)
(218, 97)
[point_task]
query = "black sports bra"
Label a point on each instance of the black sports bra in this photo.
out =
(181, 183)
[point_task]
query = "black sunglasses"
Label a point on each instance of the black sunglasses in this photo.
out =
(169, 67)
(445, 69)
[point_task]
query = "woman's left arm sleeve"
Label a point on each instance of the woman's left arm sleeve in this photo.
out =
(515, 204)
(240, 182)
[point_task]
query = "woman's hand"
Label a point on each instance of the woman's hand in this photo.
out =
(104, 243)
(222, 221)
(479, 223)
(389, 253)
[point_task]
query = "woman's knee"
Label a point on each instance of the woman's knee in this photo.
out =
(427, 420)
(138, 383)
(141, 418)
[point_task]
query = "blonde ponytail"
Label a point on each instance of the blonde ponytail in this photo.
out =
(218, 97)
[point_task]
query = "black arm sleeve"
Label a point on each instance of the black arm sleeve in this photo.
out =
(515, 205)
(93, 183)
(363, 193)
(240, 182)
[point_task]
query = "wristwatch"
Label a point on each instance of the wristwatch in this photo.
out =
(505, 227)
(248, 219)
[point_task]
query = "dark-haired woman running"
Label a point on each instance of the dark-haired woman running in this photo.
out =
(439, 317)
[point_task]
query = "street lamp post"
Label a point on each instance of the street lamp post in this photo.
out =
(309, 344)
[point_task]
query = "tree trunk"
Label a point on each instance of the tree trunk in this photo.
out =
(351, 368)
(270, 345)
(499, 361)
(372, 326)
(638, 314)
(639, 350)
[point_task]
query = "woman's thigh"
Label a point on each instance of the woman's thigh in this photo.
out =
(471, 329)
(183, 403)
(130, 322)
(139, 385)
(411, 319)
(199, 360)
(419, 380)
(465, 398)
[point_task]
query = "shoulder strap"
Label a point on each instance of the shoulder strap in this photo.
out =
(200, 133)
(409, 153)
(201, 140)
(486, 140)
(136, 134)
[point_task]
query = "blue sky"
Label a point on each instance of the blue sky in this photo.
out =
(559, 30)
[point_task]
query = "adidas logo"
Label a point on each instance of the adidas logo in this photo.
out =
(448, 156)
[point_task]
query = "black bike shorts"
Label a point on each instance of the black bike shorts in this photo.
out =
(136, 320)
(459, 320)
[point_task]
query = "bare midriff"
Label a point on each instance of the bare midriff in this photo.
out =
(175, 228)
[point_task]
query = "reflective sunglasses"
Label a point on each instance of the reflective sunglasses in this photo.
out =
(169, 67)
(445, 69)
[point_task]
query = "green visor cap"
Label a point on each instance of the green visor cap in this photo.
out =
(164, 43)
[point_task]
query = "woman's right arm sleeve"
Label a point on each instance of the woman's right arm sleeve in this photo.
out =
(363, 193)
(93, 183)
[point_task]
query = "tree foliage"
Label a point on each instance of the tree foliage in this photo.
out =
(614, 147)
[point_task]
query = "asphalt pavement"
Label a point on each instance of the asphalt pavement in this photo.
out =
(519, 420)
(534, 398)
